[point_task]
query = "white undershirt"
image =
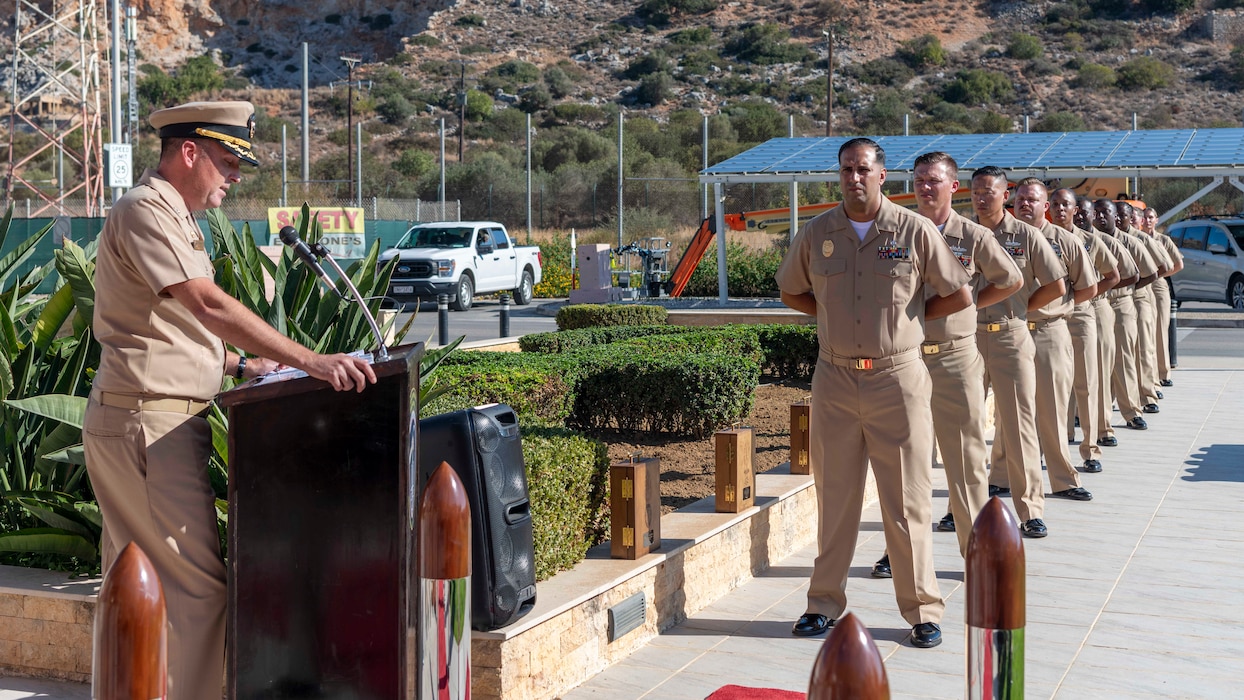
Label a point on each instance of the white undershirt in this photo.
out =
(861, 227)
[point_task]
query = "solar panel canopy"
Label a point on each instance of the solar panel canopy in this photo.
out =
(1153, 153)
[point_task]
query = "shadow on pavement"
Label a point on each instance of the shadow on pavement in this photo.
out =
(1216, 463)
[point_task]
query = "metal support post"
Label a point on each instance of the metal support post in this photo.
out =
(505, 315)
(442, 319)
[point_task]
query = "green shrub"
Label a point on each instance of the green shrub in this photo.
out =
(765, 44)
(923, 52)
(568, 483)
(1059, 121)
(578, 338)
(538, 387)
(692, 36)
(748, 273)
(1145, 72)
(646, 64)
(1169, 7)
(471, 20)
(587, 315)
(735, 339)
(555, 278)
(660, 11)
(1095, 75)
(976, 86)
(1024, 46)
(655, 89)
(790, 350)
(884, 71)
(690, 395)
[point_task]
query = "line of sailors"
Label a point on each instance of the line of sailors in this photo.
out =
(1070, 318)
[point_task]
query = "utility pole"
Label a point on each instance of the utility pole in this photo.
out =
(462, 101)
(131, 50)
(351, 62)
(829, 80)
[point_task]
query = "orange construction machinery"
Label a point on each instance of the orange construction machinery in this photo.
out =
(769, 221)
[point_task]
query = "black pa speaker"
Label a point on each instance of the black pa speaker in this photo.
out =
(482, 445)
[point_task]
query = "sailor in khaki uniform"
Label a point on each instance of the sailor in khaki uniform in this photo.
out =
(1124, 382)
(862, 269)
(1082, 324)
(949, 348)
(1146, 310)
(160, 320)
(1052, 338)
(1162, 294)
(1003, 339)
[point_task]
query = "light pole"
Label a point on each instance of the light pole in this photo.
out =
(829, 81)
(351, 62)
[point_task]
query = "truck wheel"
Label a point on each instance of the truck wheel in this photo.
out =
(464, 295)
(526, 288)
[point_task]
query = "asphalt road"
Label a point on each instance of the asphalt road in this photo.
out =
(481, 322)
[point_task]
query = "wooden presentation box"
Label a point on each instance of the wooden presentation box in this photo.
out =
(635, 505)
(736, 474)
(799, 415)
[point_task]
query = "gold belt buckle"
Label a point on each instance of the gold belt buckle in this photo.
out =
(931, 349)
(1032, 325)
(863, 363)
(993, 327)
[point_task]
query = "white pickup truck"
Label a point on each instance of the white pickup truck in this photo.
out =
(461, 259)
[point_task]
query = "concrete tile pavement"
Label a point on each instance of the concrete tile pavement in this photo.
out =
(1133, 595)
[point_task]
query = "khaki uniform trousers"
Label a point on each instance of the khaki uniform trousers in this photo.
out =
(1084, 401)
(880, 416)
(1124, 381)
(1016, 454)
(1146, 345)
(1162, 300)
(149, 473)
(1055, 379)
(1106, 351)
(959, 423)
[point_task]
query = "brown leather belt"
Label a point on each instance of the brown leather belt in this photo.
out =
(870, 363)
(1005, 324)
(932, 348)
(190, 407)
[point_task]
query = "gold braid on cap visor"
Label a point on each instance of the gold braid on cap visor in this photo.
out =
(242, 144)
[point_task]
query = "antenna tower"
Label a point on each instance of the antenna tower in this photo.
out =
(55, 116)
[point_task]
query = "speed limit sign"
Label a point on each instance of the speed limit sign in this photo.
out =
(119, 157)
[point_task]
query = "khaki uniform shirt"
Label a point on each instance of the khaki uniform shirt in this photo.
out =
(870, 294)
(1035, 259)
(1080, 272)
(1155, 249)
(1172, 252)
(985, 261)
(1100, 255)
(151, 344)
(1145, 265)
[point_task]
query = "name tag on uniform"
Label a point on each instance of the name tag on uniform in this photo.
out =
(894, 252)
(1014, 248)
(197, 244)
(962, 254)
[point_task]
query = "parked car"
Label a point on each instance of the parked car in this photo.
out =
(1213, 250)
(461, 259)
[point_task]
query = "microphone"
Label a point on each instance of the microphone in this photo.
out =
(289, 236)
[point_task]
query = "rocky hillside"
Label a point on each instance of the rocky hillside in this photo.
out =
(703, 48)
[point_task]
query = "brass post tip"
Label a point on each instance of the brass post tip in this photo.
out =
(849, 665)
(444, 527)
(995, 570)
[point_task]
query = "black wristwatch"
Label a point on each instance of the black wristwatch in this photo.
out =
(241, 367)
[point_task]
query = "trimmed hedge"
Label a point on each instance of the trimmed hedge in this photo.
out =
(588, 315)
(669, 393)
(568, 482)
(565, 341)
(737, 340)
(539, 388)
(790, 351)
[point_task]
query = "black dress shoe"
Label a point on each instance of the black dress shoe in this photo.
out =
(926, 635)
(1092, 466)
(1108, 441)
(1166, 382)
(882, 568)
(1077, 493)
(947, 524)
(998, 491)
(1151, 408)
(811, 625)
(1138, 423)
(1158, 394)
(1034, 528)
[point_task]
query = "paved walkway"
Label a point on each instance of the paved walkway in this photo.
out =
(1133, 595)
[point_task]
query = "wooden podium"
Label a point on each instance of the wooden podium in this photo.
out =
(323, 577)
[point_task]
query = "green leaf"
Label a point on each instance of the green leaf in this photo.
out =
(55, 311)
(66, 409)
(78, 271)
(48, 540)
(19, 255)
(58, 516)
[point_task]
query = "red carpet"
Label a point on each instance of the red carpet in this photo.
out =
(738, 692)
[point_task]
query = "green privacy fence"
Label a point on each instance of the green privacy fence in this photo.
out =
(83, 230)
